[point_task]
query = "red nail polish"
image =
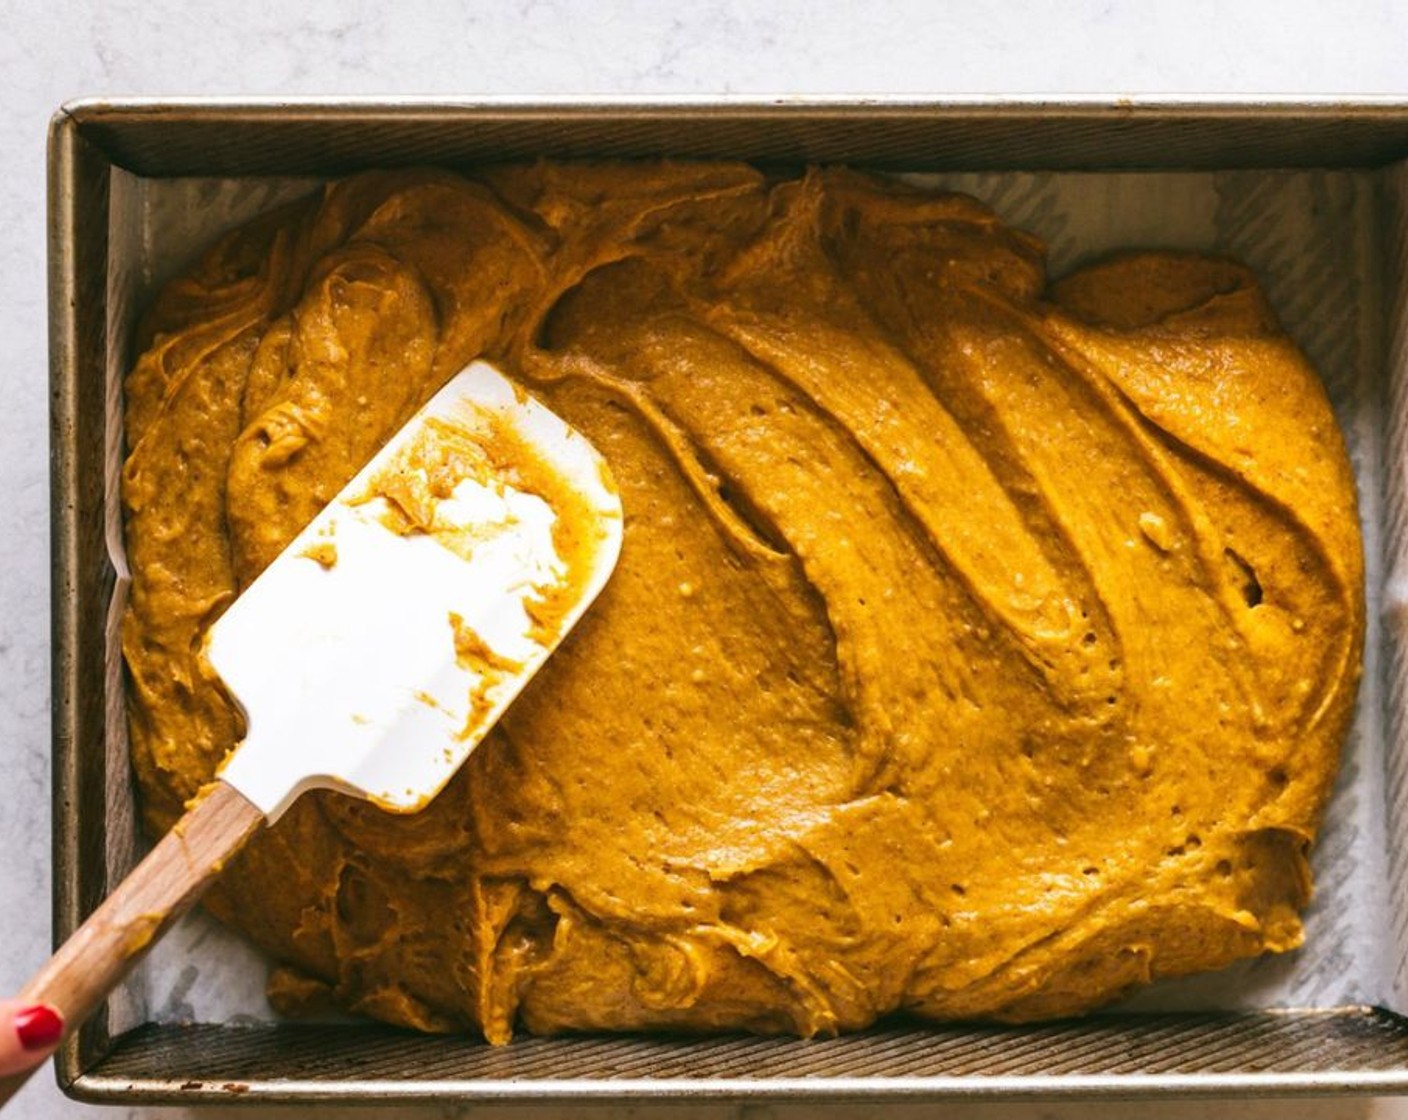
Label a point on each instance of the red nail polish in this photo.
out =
(39, 1027)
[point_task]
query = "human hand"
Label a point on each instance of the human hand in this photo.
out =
(29, 1033)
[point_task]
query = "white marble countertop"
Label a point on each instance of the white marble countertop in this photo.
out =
(62, 49)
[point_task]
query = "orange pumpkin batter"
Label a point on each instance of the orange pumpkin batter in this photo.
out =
(979, 646)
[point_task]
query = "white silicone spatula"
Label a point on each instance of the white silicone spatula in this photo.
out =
(383, 643)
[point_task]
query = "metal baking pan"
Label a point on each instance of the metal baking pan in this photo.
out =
(1357, 1046)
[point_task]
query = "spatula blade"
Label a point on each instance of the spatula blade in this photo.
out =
(383, 643)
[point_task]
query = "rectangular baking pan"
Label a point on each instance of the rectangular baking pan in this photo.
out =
(1350, 1048)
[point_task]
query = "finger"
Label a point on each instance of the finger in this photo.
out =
(28, 1034)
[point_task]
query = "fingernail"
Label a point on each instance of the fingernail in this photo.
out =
(39, 1027)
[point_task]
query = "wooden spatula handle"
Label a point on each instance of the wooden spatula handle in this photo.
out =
(160, 889)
